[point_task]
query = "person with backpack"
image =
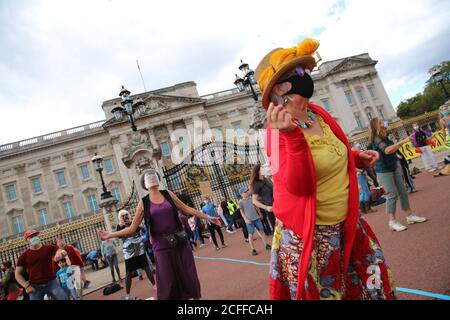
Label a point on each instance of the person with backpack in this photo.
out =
(176, 274)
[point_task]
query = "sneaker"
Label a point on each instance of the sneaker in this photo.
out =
(224, 246)
(254, 253)
(231, 231)
(217, 248)
(86, 284)
(395, 226)
(268, 247)
(413, 218)
(202, 245)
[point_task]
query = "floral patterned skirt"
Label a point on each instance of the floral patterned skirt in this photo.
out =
(367, 278)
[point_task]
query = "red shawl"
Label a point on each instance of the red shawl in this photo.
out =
(295, 188)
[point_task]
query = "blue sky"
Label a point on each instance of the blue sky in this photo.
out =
(61, 59)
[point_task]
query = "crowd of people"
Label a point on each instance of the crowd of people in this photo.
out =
(312, 206)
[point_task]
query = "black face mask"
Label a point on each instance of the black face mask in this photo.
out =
(303, 86)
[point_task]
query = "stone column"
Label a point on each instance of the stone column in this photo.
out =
(109, 208)
(152, 136)
(169, 127)
(115, 141)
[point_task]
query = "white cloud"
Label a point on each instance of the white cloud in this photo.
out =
(63, 58)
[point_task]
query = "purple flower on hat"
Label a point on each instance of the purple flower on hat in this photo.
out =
(300, 71)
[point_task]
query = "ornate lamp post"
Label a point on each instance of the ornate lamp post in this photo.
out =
(98, 163)
(245, 84)
(129, 107)
(436, 76)
(248, 81)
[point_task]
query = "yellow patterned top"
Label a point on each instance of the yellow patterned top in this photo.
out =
(330, 161)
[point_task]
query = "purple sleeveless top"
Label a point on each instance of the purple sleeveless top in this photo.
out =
(163, 223)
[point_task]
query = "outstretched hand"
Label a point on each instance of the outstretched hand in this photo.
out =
(103, 234)
(215, 220)
(369, 158)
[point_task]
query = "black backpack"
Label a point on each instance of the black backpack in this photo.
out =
(111, 288)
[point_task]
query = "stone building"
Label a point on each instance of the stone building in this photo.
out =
(50, 179)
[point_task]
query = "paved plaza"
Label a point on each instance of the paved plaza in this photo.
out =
(418, 256)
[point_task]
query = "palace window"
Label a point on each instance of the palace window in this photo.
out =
(371, 90)
(85, 171)
(43, 217)
(381, 114)
(17, 224)
(116, 194)
(92, 203)
(359, 122)
(369, 114)
(61, 177)
(349, 96)
(11, 192)
(68, 209)
(108, 165)
(165, 148)
(237, 128)
(360, 94)
(37, 187)
(326, 104)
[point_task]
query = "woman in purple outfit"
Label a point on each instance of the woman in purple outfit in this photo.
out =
(176, 274)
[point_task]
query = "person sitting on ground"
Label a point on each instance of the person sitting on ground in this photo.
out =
(65, 276)
(92, 258)
(252, 217)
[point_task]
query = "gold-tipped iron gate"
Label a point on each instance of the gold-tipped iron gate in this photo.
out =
(215, 168)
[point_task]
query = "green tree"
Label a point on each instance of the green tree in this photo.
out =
(430, 99)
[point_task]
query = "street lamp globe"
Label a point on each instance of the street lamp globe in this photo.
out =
(118, 112)
(244, 67)
(128, 105)
(239, 83)
(98, 162)
(140, 106)
(124, 93)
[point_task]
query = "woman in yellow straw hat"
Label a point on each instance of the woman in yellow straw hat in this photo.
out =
(321, 249)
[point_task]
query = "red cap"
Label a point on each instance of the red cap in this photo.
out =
(30, 233)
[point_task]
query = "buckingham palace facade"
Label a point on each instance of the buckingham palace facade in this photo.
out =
(50, 179)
